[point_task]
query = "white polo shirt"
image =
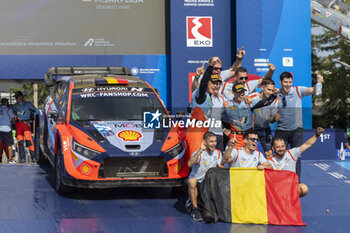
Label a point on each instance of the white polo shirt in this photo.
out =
(204, 162)
(287, 162)
(240, 158)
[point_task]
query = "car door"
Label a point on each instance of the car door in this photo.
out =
(56, 112)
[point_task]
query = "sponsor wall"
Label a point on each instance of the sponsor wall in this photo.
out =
(42, 34)
(200, 29)
(278, 32)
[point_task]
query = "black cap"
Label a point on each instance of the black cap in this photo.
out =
(18, 93)
(238, 87)
(215, 78)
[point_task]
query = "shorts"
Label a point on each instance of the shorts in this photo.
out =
(200, 187)
(265, 138)
(7, 137)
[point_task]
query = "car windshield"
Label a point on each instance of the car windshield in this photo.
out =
(113, 108)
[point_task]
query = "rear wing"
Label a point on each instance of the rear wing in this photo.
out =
(54, 72)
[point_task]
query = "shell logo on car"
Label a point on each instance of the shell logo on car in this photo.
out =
(86, 169)
(129, 135)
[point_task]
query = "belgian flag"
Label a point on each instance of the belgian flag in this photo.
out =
(247, 195)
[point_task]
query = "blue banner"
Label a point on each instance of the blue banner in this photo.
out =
(151, 68)
(199, 30)
(280, 32)
(325, 146)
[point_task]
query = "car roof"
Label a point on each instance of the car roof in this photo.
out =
(94, 76)
(83, 81)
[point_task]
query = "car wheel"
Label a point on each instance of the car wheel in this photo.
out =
(178, 191)
(40, 158)
(59, 186)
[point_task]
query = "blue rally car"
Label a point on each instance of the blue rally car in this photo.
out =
(92, 131)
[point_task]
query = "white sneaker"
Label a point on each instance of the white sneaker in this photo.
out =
(11, 161)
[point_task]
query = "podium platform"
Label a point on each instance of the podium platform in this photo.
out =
(29, 203)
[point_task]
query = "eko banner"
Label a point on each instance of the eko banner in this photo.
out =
(199, 30)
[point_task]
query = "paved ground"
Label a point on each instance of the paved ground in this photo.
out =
(30, 204)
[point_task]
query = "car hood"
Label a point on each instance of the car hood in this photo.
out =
(125, 135)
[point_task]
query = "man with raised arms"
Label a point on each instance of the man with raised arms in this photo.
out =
(286, 159)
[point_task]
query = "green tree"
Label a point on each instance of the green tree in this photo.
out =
(335, 100)
(28, 91)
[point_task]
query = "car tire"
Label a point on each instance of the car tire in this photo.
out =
(178, 191)
(40, 158)
(59, 186)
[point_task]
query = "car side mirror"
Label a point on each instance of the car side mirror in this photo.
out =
(53, 115)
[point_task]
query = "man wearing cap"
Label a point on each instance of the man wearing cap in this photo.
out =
(241, 76)
(290, 124)
(6, 115)
(208, 105)
(23, 110)
(239, 114)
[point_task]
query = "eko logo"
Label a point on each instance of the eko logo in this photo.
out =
(199, 31)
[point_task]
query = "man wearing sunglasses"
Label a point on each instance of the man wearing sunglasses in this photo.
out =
(217, 64)
(286, 159)
(246, 156)
(241, 76)
(290, 124)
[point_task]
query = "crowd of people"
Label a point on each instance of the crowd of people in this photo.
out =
(246, 117)
(18, 117)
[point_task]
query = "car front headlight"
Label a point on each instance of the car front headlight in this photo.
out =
(83, 150)
(175, 150)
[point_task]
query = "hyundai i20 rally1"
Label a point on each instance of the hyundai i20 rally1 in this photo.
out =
(92, 131)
